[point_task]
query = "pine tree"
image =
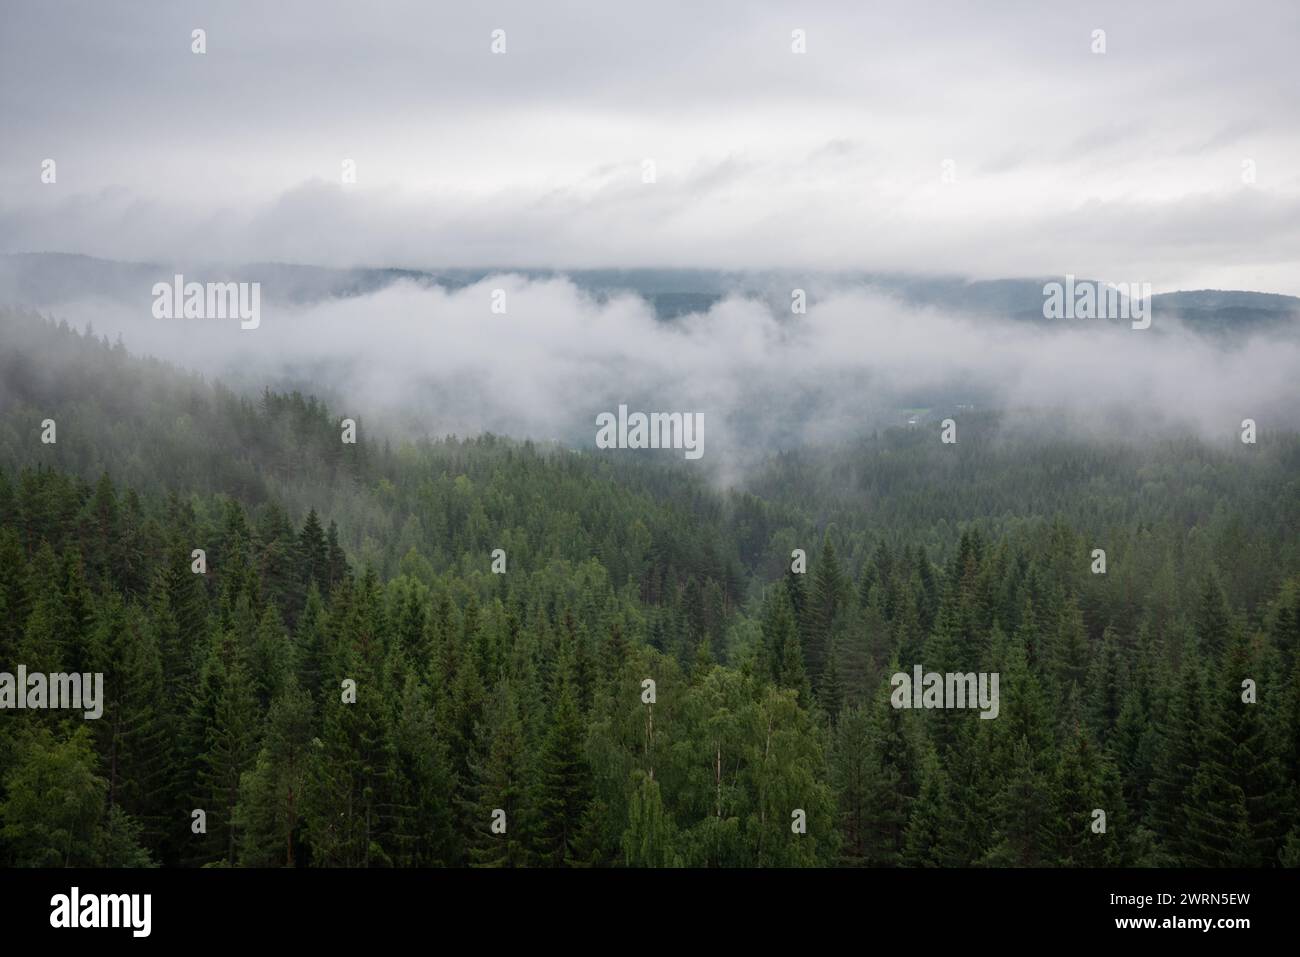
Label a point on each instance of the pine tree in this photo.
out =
(502, 813)
(40, 645)
(930, 829)
(269, 814)
(313, 554)
(230, 748)
(1136, 738)
(1019, 811)
(1070, 650)
(271, 658)
(1105, 689)
(565, 780)
(828, 594)
(102, 533)
(1213, 620)
(793, 675)
(134, 738)
(424, 822)
(1179, 757)
(893, 783)
(309, 644)
(783, 648)
(339, 571)
(349, 793)
(851, 770)
(13, 596)
(1236, 806)
(1070, 835)
(831, 695)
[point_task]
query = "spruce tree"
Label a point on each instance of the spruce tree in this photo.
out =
(831, 695)
(893, 783)
(829, 591)
(1105, 688)
(1071, 835)
(852, 773)
(230, 746)
(565, 780)
(424, 819)
(1236, 807)
(928, 840)
(1179, 757)
(269, 814)
(501, 813)
(134, 737)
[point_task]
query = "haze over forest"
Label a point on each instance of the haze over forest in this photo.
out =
(368, 587)
(423, 354)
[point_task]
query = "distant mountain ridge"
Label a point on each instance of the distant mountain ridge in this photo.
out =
(49, 279)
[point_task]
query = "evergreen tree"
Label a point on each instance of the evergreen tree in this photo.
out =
(133, 737)
(831, 695)
(829, 590)
(230, 748)
(1071, 834)
(928, 838)
(565, 781)
(1179, 757)
(852, 774)
(1105, 688)
(1237, 802)
(424, 822)
(892, 785)
(502, 813)
(268, 817)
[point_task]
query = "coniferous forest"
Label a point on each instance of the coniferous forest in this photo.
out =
(314, 654)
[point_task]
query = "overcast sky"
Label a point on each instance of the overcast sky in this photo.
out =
(1125, 165)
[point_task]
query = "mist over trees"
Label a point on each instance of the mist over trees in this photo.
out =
(349, 684)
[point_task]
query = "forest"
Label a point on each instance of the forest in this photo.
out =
(649, 678)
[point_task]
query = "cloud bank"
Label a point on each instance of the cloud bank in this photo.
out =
(425, 360)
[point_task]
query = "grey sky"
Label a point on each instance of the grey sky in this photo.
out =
(1125, 165)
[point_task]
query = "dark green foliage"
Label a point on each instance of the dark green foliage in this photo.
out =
(332, 568)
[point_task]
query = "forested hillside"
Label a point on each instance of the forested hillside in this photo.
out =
(477, 691)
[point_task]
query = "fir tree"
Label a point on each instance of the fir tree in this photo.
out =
(501, 812)
(565, 780)
(268, 817)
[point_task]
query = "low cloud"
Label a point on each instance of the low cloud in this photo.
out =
(426, 360)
